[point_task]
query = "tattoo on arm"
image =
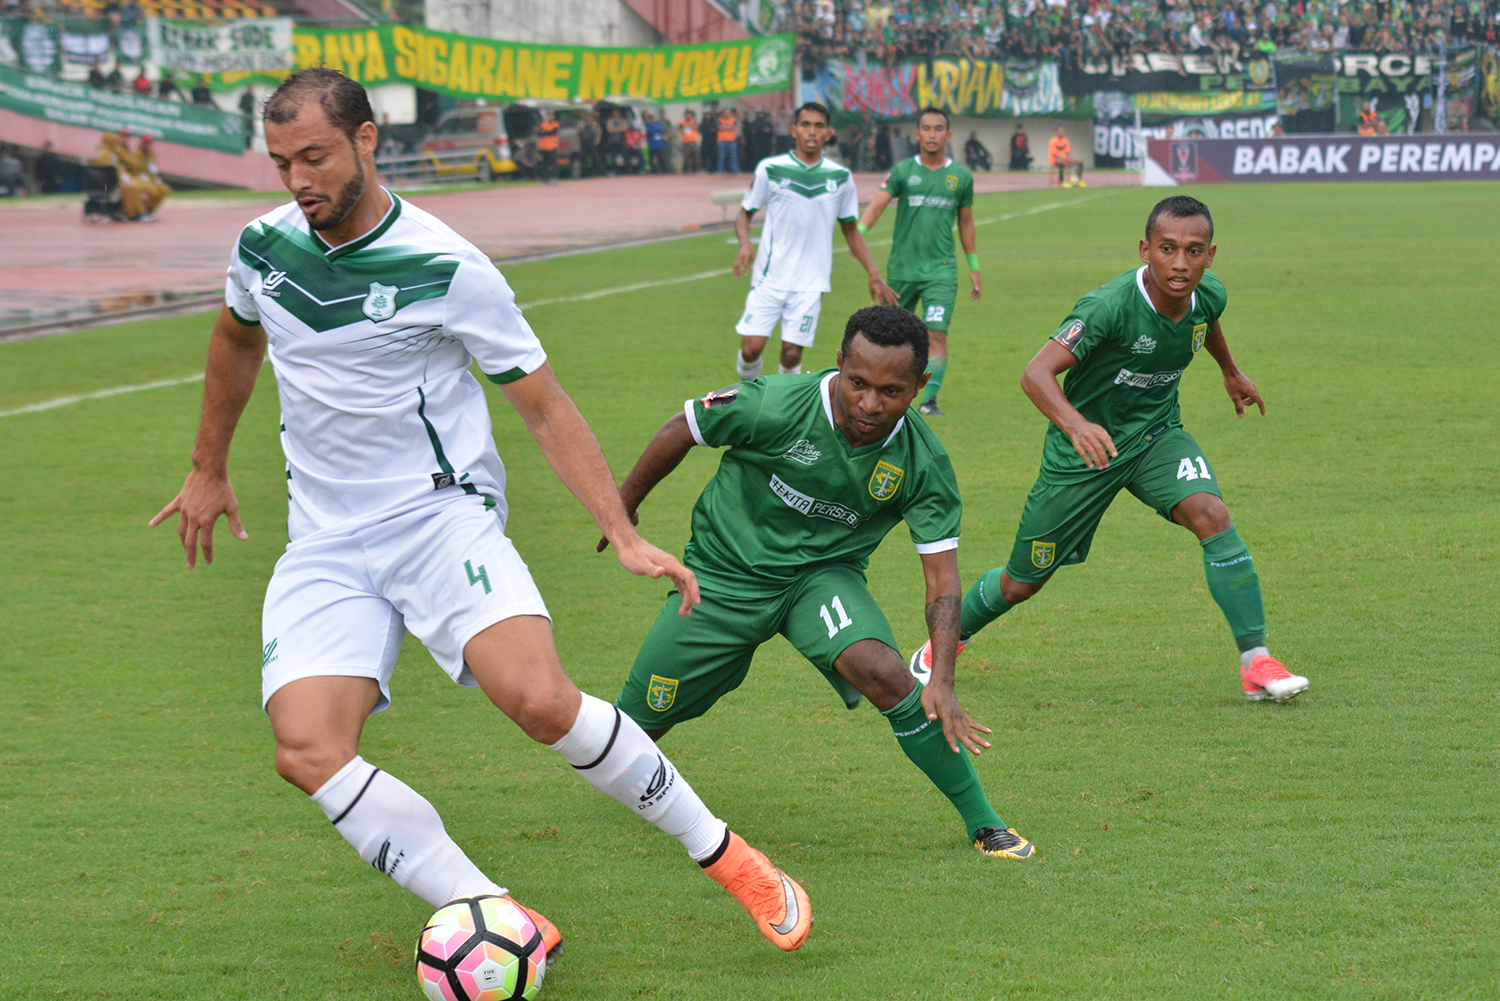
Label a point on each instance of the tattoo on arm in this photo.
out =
(943, 614)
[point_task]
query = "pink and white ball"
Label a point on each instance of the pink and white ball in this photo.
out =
(481, 949)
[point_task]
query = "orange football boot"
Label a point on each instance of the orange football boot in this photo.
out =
(779, 906)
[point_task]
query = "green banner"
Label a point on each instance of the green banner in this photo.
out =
(468, 67)
(1224, 102)
(43, 96)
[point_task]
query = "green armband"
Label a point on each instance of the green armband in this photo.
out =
(863, 229)
(973, 262)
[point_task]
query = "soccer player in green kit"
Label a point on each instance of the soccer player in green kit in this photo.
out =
(818, 468)
(931, 193)
(1116, 424)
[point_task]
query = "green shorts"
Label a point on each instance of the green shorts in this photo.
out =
(1063, 509)
(938, 296)
(688, 663)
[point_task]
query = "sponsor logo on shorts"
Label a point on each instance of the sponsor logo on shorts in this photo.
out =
(1070, 335)
(268, 655)
(952, 183)
(1043, 554)
(380, 304)
(885, 480)
(722, 397)
(1200, 331)
(803, 452)
(1146, 380)
(661, 693)
(811, 506)
(1144, 346)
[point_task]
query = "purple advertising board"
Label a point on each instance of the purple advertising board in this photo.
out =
(1323, 158)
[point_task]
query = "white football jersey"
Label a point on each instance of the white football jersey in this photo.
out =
(802, 204)
(371, 342)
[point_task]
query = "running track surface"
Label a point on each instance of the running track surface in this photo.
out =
(54, 264)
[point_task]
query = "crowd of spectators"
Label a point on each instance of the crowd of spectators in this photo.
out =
(1078, 31)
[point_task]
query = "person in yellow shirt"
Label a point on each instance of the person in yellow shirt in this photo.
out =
(1060, 155)
(546, 144)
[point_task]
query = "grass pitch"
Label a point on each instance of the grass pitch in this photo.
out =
(1190, 845)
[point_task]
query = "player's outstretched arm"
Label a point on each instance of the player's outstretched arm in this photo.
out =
(1237, 384)
(235, 353)
(967, 237)
(944, 598)
(745, 256)
(880, 292)
(872, 211)
(570, 448)
(1092, 442)
(662, 455)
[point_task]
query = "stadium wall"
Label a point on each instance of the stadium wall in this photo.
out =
(1460, 157)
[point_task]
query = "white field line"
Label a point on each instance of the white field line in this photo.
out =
(65, 401)
(103, 394)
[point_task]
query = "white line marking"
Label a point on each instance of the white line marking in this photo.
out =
(103, 394)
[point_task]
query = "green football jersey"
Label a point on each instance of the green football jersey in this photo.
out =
(791, 492)
(927, 204)
(1130, 358)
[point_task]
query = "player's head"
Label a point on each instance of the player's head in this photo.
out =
(1179, 245)
(321, 132)
(933, 130)
(882, 367)
(810, 128)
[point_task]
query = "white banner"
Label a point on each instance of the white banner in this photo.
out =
(263, 45)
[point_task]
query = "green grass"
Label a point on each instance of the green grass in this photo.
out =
(1190, 845)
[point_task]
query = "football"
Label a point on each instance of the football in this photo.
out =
(480, 949)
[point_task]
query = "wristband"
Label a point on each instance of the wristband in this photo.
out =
(973, 262)
(863, 229)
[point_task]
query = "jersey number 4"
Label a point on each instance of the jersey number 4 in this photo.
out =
(843, 622)
(1185, 470)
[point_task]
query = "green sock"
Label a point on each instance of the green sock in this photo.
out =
(937, 365)
(953, 774)
(1235, 585)
(983, 604)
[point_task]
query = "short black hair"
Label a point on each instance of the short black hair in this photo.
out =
(343, 100)
(1179, 207)
(813, 106)
(930, 110)
(889, 327)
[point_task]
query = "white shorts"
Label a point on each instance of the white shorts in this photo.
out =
(797, 311)
(340, 603)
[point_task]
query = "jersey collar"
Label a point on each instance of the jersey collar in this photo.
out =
(946, 163)
(344, 249)
(805, 166)
(825, 393)
(1140, 283)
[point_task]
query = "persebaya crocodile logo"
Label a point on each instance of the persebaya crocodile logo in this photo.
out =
(885, 480)
(661, 693)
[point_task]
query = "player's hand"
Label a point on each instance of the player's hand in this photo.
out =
(880, 292)
(198, 505)
(635, 519)
(643, 559)
(1093, 445)
(743, 259)
(942, 706)
(974, 285)
(1242, 393)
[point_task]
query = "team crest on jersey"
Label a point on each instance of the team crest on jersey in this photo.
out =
(803, 452)
(952, 183)
(720, 397)
(1145, 345)
(380, 304)
(885, 480)
(830, 185)
(1200, 331)
(1043, 554)
(661, 693)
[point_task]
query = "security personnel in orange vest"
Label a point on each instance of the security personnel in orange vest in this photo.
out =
(687, 135)
(1060, 154)
(1367, 118)
(546, 144)
(729, 142)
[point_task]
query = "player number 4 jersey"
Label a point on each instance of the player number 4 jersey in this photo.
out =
(1130, 359)
(802, 204)
(927, 204)
(371, 342)
(791, 492)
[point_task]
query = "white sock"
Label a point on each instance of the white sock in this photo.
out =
(613, 754)
(1252, 653)
(398, 832)
(794, 370)
(748, 370)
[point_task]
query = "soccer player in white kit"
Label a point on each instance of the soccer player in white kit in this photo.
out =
(373, 311)
(804, 193)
